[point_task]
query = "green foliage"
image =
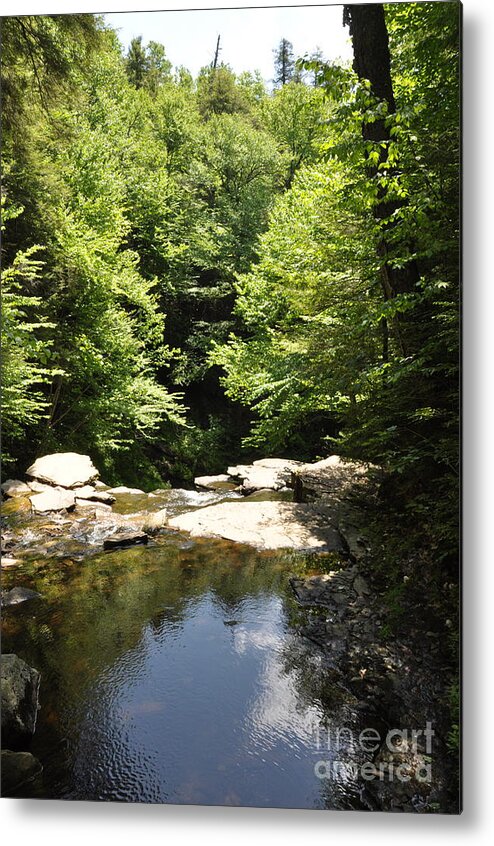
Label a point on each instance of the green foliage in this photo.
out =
(26, 349)
(218, 92)
(189, 226)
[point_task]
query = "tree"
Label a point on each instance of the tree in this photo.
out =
(218, 92)
(284, 63)
(295, 115)
(159, 67)
(137, 62)
(372, 64)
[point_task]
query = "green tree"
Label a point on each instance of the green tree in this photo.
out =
(284, 63)
(137, 62)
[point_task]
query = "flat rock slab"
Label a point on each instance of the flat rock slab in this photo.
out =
(14, 487)
(67, 469)
(56, 499)
(89, 492)
(17, 595)
(124, 539)
(19, 685)
(265, 525)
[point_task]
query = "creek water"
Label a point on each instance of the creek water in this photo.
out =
(174, 673)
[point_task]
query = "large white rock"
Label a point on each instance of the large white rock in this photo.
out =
(265, 525)
(273, 473)
(56, 499)
(67, 469)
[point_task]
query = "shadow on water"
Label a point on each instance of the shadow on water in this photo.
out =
(173, 673)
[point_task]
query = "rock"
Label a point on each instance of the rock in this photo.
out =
(13, 487)
(277, 463)
(328, 479)
(67, 469)
(360, 586)
(90, 493)
(18, 768)
(39, 487)
(121, 489)
(265, 525)
(357, 545)
(155, 521)
(271, 473)
(7, 561)
(100, 509)
(20, 685)
(213, 483)
(17, 595)
(99, 485)
(98, 506)
(123, 539)
(56, 499)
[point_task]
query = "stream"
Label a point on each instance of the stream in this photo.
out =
(173, 672)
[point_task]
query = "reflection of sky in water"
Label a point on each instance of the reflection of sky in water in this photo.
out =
(172, 675)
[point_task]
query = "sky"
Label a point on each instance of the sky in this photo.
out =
(248, 36)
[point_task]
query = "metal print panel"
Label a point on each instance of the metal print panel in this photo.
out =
(230, 260)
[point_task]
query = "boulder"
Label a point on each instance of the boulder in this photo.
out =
(329, 479)
(272, 473)
(67, 469)
(155, 521)
(121, 489)
(17, 595)
(13, 487)
(124, 539)
(18, 768)
(90, 493)
(19, 685)
(56, 499)
(265, 525)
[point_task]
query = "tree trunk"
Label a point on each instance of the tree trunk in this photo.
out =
(372, 62)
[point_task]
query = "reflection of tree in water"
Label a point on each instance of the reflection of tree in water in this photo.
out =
(343, 717)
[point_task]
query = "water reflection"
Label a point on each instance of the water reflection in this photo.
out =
(172, 674)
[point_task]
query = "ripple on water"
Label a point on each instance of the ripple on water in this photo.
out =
(173, 674)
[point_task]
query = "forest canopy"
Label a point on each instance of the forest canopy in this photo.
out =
(199, 269)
